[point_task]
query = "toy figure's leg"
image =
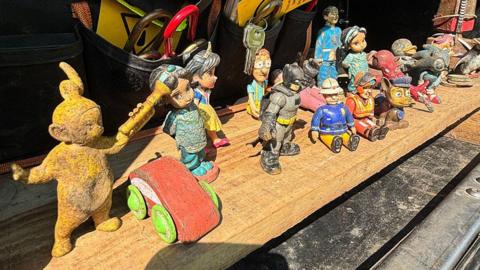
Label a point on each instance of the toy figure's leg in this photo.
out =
(333, 142)
(332, 71)
(269, 157)
(350, 141)
(288, 147)
(102, 220)
(367, 129)
(192, 161)
(68, 220)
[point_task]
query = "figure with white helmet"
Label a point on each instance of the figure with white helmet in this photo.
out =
(278, 114)
(361, 105)
(333, 122)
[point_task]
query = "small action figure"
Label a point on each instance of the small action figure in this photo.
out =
(328, 40)
(403, 49)
(79, 163)
(389, 106)
(256, 89)
(202, 68)
(361, 105)
(333, 121)
(353, 40)
(278, 118)
(184, 122)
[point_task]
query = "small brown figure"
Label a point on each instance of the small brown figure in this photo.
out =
(389, 106)
(79, 163)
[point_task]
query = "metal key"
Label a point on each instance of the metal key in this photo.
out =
(253, 40)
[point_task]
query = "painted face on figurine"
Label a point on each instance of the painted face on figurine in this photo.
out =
(358, 43)
(332, 17)
(183, 95)
(332, 98)
(207, 80)
(399, 97)
(261, 66)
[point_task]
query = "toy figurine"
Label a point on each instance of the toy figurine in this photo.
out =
(353, 40)
(256, 89)
(361, 105)
(310, 97)
(385, 61)
(470, 62)
(328, 40)
(79, 163)
(202, 68)
(389, 106)
(403, 49)
(278, 115)
(184, 122)
(333, 121)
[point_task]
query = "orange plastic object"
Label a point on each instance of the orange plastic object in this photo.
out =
(168, 182)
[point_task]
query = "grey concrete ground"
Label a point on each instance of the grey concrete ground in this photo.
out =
(357, 229)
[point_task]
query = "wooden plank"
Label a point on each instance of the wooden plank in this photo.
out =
(468, 130)
(256, 207)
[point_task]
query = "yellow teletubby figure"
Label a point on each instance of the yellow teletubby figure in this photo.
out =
(79, 163)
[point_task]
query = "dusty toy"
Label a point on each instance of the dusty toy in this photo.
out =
(470, 62)
(184, 122)
(403, 49)
(310, 97)
(353, 41)
(328, 40)
(385, 61)
(429, 65)
(361, 105)
(256, 89)
(333, 123)
(202, 67)
(79, 163)
(179, 205)
(278, 115)
(389, 106)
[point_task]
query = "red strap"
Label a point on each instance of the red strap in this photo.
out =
(190, 11)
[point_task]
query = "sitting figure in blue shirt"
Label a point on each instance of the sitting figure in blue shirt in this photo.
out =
(333, 121)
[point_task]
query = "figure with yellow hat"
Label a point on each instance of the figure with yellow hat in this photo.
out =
(333, 122)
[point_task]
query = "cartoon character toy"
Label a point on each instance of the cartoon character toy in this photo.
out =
(184, 122)
(256, 89)
(361, 105)
(202, 66)
(328, 40)
(79, 163)
(390, 104)
(353, 40)
(333, 122)
(279, 113)
(403, 49)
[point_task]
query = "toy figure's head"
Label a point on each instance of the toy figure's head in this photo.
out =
(331, 91)
(76, 120)
(330, 15)
(353, 39)
(202, 67)
(398, 97)
(292, 77)
(385, 61)
(403, 47)
(364, 83)
(261, 66)
(175, 78)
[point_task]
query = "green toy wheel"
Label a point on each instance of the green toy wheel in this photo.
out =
(211, 193)
(136, 203)
(163, 224)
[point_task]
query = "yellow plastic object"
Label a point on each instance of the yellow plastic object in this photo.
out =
(79, 162)
(289, 5)
(117, 19)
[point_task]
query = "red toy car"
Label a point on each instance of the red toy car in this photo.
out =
(178, 204)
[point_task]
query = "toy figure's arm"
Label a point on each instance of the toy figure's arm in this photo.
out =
(269, 118)
(315, 124)
(197, 97)
(37, 175)
(350, 121)
(251, 101)
(170, 124)
(318, 49)
(347, 61)
(112, 145)
(350, 104)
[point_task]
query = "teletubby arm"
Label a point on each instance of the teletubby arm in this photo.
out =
(112, 145)
(36, 175)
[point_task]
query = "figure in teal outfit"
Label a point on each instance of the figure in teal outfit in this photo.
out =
(328, 40)
(184, 122)
(353, 40)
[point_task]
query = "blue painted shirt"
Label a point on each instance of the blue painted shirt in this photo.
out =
(355, 62)
(332, 119)
(257, 90)
(203, 99)
(328, 40)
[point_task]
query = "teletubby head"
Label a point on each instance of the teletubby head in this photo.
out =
(330, 15)
(398, 97)
(202, 67)
(353, 39)
(261, 66)
(177, 79)
(77, 119)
